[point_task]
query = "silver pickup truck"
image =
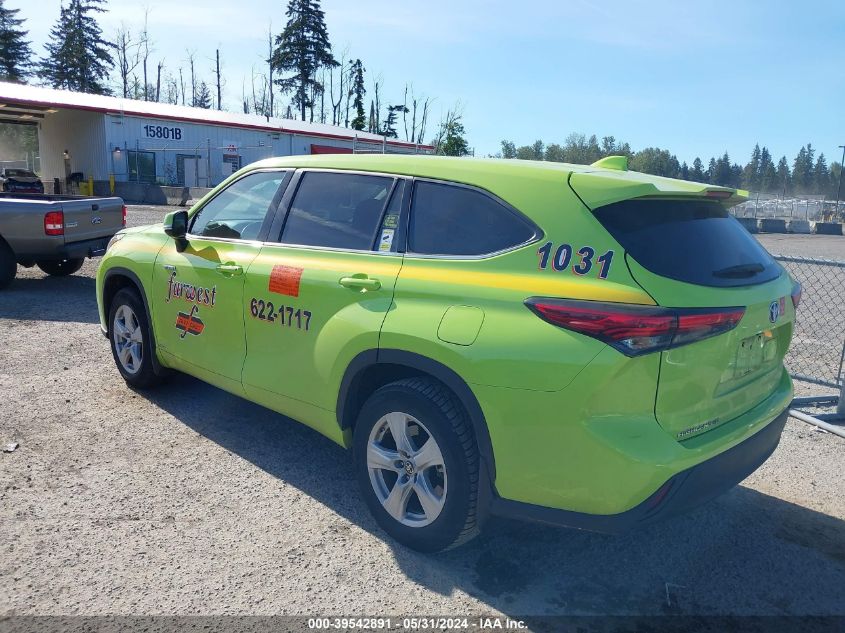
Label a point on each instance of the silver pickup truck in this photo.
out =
(55, 233)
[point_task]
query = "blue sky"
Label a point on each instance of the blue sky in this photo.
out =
(698, 78)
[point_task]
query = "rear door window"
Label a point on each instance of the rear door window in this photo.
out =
(456, 220)
(337, 210)
(694, 241)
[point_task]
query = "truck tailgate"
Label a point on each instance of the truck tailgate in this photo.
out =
(92, 218)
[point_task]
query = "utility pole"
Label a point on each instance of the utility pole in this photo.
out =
(839, 188)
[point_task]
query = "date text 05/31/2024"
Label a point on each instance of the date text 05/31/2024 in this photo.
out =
(483, 623)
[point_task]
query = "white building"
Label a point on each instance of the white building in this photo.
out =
(158, 144)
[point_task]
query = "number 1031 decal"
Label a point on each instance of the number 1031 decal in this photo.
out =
(581, 261)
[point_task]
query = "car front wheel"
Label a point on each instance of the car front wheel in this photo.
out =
(129, 335)
(416, 461)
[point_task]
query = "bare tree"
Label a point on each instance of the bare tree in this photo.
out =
(192, 63)
(158, 80)
(219, 89)
(182, 84)
(126, 46)
(270, 67)
(145, 44)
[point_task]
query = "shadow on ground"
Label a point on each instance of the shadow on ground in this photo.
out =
(746, 553)
(66, 299)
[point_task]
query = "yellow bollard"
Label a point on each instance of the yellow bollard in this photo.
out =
(111, 184)
(90, 185)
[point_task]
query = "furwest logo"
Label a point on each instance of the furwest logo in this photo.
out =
(190, 293)
(189, 323)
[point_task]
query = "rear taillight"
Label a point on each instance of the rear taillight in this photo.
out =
(636, 329)
(796, 294)
(54, 223)
(124, 215)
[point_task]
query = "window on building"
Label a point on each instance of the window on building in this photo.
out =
(142, 166)
(450, 220)
(337, 210)
(238, 211)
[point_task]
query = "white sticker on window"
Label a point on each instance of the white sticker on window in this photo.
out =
(386, 240)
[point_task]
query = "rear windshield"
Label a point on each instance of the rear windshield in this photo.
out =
(695, 241)
(20, 173)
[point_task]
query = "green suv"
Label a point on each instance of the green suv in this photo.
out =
(580, 345)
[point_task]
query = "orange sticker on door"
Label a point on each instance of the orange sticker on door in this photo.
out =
(284, 280)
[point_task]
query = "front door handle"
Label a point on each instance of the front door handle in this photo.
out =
(361, 282)
(229, 270)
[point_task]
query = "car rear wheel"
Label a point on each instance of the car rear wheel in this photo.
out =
(60, 267)
(416, 461)
(8, 265)
(129, 335)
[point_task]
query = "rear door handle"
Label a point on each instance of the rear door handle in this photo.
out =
(360, 283)
(230, 270)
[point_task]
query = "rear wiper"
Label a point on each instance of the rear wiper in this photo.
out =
(740, 270)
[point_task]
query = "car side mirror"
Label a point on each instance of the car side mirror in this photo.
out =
(176, 224)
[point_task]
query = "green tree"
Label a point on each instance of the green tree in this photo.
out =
(783, 183)
(358, 91)
(508, 149)
(15, 54)
(656, 161)
(202, 98)
(451, 138)
(302, 48)
(78, 58)
(536, 151)
(802, 170)
(821, 176)
(555, 153)
(768, 173)
(697, 172)
(684, 171)
(751, 172)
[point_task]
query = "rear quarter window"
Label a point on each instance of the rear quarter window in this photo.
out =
(694, 241)
(462, 221)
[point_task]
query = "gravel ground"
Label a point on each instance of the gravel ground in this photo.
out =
(187, 500)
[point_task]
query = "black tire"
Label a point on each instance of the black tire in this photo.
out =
(444, 419)
(8, 265)
(144, 376)
(60, 267)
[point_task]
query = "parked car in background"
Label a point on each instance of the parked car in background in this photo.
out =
(55, 233)
(580, 345)
(16, 180)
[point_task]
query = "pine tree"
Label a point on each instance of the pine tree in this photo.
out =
(711, 171)
(202, 99)
(78, 57)
(821, 176)
(684, 171)
(783, 184)
(768, 174)
(15, 53)
(751, 172)
(358, 91)
(302, 48)
(697, 174)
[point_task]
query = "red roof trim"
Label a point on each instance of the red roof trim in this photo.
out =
(245, 126)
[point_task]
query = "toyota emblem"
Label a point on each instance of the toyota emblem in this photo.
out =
(774, 311)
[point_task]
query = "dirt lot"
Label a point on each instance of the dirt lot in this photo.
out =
(187, 500)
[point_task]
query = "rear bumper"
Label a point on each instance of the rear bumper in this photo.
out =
(71, 250)
(680, 493)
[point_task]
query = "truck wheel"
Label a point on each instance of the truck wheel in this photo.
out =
(130, 339)
(60, 267)
(416, 461)
(8, 265)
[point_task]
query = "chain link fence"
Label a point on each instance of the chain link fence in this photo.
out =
(807, 207)
(817, 354)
